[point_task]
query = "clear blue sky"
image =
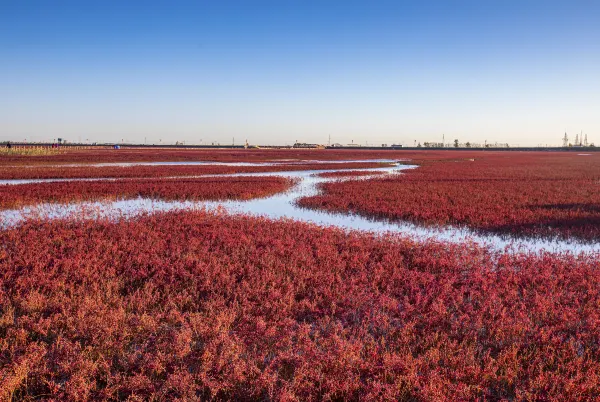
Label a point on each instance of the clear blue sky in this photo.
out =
(279, 71)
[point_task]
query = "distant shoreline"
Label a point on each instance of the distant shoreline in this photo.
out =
(254, 147)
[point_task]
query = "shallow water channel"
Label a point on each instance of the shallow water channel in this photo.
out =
(283, 205)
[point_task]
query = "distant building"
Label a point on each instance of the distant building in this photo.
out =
(306, 145)
(433, 144)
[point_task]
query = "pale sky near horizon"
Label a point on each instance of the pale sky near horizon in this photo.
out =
(274, 72)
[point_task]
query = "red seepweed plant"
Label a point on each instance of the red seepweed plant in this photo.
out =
(85, 172)
(208, 188)
(536, 194)
(198, 306)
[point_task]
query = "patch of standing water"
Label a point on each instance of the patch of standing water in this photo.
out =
(283, 205)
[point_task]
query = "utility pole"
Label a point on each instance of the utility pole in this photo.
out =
(329, 141)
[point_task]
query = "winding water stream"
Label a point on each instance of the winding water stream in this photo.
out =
(283, 205)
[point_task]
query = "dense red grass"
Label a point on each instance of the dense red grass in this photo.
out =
(51, 172)
(194, 306)
(221, 155)
(235, 155)
(239, 188)
(542, 194)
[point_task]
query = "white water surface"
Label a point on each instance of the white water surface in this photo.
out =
(283, 205)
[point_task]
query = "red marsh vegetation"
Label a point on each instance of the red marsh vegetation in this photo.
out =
(197, 306)
(537, 194)
(216, 155)
(217, 188)
(74, 172)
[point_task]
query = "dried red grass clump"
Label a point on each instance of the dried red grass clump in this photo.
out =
(536, 194)
(198, 306)
(218, 188)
